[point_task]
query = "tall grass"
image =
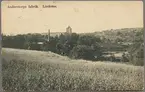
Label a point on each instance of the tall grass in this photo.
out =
(54, 72)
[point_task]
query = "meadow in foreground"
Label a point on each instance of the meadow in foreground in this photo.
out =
(36, 71)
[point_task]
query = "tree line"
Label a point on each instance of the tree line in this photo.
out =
(76, 46)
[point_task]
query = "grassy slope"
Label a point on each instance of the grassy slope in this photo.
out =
(37, 71)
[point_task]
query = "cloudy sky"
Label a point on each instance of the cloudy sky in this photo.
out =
(82, 16)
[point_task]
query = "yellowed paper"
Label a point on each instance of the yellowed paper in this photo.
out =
(83, 16)
(69, 46)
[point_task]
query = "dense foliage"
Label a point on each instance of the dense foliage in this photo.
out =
(137, 49)
(85, 46)
(58, 44)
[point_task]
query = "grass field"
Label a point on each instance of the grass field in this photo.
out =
(36, 71)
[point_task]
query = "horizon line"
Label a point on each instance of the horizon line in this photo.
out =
(13, 34)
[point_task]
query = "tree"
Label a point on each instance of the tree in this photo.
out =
(136, 51)
(137, 55)
(88, 40)
(97, 50)
(59, 48)
(62, 39)
(82, 52)
(112, 58)
(51, 45)
(118, 40)
(125, 58)
(119, 33)
(64, 46)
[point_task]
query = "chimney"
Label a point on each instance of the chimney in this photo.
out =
(48, 35)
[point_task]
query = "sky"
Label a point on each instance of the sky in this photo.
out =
(82, 16)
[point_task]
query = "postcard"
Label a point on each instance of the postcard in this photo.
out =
(72, 46)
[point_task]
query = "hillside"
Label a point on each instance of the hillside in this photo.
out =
(124, 34)
(36, 71)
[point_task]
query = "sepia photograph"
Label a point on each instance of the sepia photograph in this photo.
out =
(72, 46)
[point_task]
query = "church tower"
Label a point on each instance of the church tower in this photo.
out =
(68, 33)
(69, 30)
